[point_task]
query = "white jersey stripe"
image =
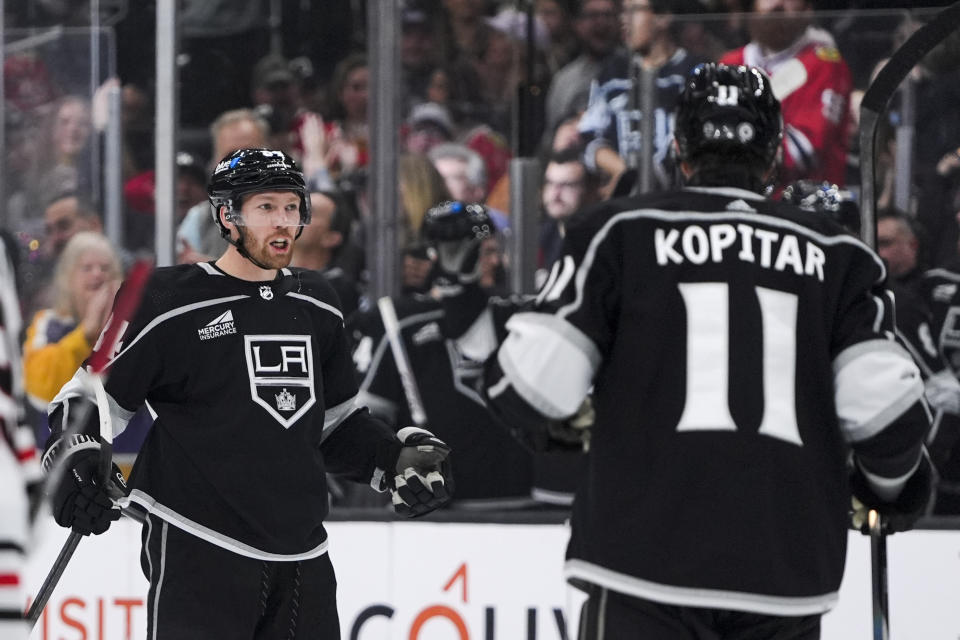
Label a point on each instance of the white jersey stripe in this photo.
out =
(693, 597)
(213, 537)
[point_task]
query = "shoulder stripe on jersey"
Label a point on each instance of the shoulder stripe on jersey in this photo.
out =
(549, 362)
(875, 382)
(701, 598)
(163, 317)
(323, 305)
(213, 537)
(334, 416)
(729, 192)
(285, 271)
(209, 268)
(673, 216)
(383, 343)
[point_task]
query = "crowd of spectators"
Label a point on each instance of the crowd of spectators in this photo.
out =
(464, 63)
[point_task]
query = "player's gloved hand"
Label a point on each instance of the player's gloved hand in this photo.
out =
(80, 500)
(456, 231)
(423, 481)
(574, 432)
(899, 515)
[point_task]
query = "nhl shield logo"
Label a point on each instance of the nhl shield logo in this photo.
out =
(281, 375)
(266, 292)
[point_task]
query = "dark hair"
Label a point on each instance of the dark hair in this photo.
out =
(591, 179)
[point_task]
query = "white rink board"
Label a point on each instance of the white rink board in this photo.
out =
(451, 581)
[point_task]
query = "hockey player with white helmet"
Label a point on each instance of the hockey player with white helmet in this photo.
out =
(245, 365)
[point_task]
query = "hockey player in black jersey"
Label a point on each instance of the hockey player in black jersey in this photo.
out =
(740, 356)
(244, 364)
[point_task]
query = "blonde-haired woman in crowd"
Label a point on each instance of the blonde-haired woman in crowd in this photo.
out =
(58, 340)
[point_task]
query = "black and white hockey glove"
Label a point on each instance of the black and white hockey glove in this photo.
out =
(423, 480)
(899, 515)
(80, 500)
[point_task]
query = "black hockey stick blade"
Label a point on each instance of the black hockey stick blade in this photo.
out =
(128, 299)
(878, 574)
(877, 97)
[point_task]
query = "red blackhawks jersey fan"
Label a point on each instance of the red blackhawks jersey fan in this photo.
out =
(244, 364)
(744, 382)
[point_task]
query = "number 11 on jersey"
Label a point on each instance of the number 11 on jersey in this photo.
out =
(706, 403)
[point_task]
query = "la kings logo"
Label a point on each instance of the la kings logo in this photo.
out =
(280, 368)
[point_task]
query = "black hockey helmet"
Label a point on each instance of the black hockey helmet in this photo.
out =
(729, 112)
(454, 221)
(247, 171)
(825, 198)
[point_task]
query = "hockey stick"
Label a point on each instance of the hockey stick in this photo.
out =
(878, 570)
(127, 302)
(877, 97)
(874, 103)
(392, 328)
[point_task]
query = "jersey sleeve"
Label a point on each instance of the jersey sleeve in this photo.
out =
(353, 440)
(878, 389)
(135, 360)
(545, 366)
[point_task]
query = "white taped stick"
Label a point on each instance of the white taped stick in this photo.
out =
(392, 328)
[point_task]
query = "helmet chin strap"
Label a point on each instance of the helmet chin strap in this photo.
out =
(242, 250)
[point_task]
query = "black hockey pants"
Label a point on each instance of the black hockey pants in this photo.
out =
(201, 591)
(608, 615)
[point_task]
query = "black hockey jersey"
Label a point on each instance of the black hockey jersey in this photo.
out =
(737, 348)
(491, 469)
(254, 398)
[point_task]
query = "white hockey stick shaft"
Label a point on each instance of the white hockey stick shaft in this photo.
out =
(392, 328)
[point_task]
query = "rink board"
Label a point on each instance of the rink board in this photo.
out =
(461, 581)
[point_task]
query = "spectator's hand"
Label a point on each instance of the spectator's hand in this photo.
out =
(189, 255)
(949, 163)
(314, 141)
(98, 310)
(423, 481)
(100, 105)
(899, 515)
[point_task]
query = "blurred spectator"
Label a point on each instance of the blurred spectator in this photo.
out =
(812, 82)
(60, 338)
(899, 246)
(421, 187)
(66, 216)
(428, 125)
(597, 31)
(558, 21)
(323, 242)
(198, 236)
(62, 163)
(612, 121)
(346, 128)
(465, 174)
(568, 186)
(139, 193)
(418, 52)
(466, 31)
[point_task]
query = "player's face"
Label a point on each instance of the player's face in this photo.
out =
(270, 220)
(897, 246)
